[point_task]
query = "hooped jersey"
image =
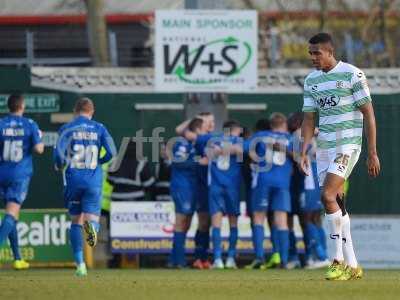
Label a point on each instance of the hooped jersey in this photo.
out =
(337, 95)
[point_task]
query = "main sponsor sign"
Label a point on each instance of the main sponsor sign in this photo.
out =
(43, 237)
(206, 51)
(147, 227)
(35, 103)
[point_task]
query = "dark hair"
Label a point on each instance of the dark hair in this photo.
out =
(14, 102)
(321, 38)
(196, 123)
(277, 119)
(262, 124)
(84, 105)
(205, 113)
(231, 124)
(294, 121)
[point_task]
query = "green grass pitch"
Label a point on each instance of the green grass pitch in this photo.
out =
(192, 284)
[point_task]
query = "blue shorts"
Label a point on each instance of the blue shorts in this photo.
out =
(311, 201)
(202, 198)
(83, 200)
(184, 200)
(266, 198)
(224, 200)
(14, 191)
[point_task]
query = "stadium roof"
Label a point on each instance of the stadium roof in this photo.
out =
(74, 7)
(140, 80)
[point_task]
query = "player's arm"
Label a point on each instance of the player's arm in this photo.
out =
(307, 133)
(181, 128)
(307, 127)
(38, 146)
(373, 163)
(60, 151)
(363, 101)
(108, 143)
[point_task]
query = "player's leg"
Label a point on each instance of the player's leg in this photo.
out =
(14, 195)
(182, 223)
(332, 186)
(233, 210)
(76, 239)
(91, 208)
(294, 261)
(72, 199)
(216, 223)
(184, 208)
(202, 236)
(217, 207)
(8, 223)
(259, 204)
(311, 208)
(233, 237)
(281, 206)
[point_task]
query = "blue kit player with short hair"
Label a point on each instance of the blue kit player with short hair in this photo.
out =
(78, 153)
(183, 189)
(19, 138)
(225, 176)
(271, 181)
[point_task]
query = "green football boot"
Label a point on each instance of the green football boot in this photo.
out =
(335, 270)
(91, 234)
(274, 262)
(350, 273)
(81, 270)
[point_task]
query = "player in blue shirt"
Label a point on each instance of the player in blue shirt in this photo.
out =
(311, 206)
(77, 153)
(225, 175)
(271, 187)
(202, 236)
(184, 189)
(19, 138)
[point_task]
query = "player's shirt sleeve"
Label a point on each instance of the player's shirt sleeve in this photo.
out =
(360, 88)
(60, 149)
(108, 143)
(36, 139)
(309, 103)
(201, 143)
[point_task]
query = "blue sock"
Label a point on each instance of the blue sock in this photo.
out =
(205, 244)
(314, 241)
(197, 245)
(7, 225)
(233, 237)
(179, 248)
(283, 237)
(96, 225)
(292, 246)
(274, 240)
(258, 235)
(216, 239)
(13, 238)
(322, 237)
(76, 239)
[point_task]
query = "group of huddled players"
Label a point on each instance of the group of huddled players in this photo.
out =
(77, 156)
(208, 170)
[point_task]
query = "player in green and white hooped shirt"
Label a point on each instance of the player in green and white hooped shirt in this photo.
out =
(339, 93)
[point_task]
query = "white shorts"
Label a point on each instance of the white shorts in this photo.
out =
(340, 162)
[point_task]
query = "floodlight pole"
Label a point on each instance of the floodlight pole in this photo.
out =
(215, 103)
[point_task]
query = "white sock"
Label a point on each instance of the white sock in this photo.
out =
(348, 250)
(335, 235)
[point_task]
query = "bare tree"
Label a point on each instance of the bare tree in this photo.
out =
(97, 33)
